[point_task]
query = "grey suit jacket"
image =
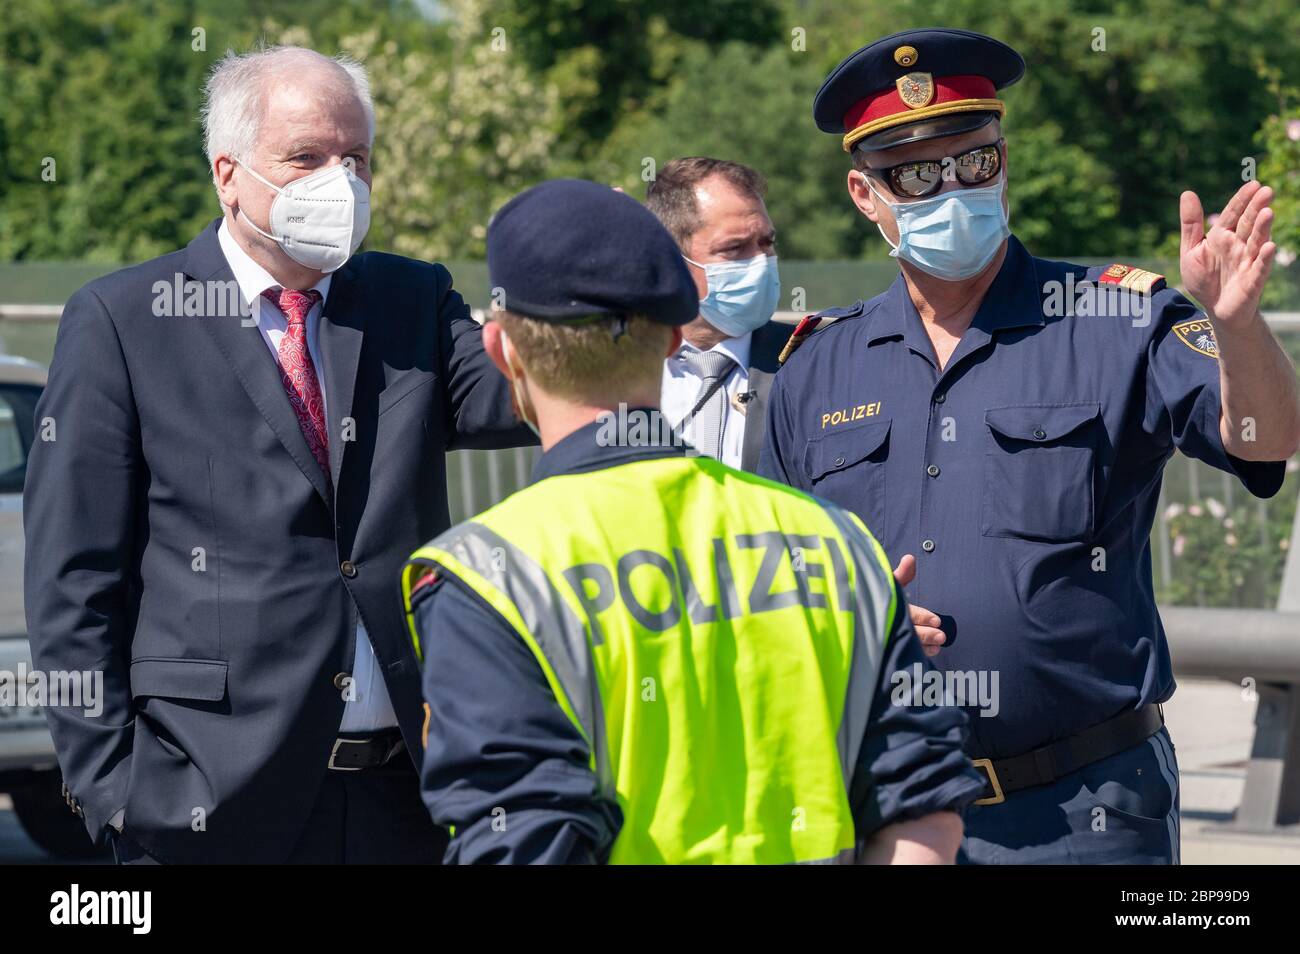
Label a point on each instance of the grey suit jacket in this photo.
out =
(764, 349)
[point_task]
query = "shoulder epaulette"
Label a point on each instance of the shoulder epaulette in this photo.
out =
(1134, 279)
(807, 325)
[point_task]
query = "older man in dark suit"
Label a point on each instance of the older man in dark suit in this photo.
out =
(244, 440)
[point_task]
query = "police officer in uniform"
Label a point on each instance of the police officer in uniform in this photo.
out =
(646, 655)
(1001, 423)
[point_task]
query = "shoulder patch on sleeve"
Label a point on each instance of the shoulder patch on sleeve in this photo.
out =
(1198, 334)
(1135, 279)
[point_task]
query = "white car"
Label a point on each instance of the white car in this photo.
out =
(29, 772)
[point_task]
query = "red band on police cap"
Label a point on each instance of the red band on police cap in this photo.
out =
(947, 89)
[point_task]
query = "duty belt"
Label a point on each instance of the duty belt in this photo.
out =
(1045, 765)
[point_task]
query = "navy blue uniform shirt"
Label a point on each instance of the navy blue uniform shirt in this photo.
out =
(504, 765)
(1024, 476)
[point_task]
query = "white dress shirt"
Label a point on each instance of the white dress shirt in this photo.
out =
(681, 388)
(371, 708)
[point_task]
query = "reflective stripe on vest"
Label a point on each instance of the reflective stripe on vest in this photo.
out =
(632, 631)
(518, 588)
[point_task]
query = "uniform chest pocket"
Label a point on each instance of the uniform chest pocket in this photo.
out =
(847, 466)
(1040, 471)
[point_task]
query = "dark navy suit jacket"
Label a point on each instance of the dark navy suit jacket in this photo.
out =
(182, 539)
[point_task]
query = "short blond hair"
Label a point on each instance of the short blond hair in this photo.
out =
(589, 361)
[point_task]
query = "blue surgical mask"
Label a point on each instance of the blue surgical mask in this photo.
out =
(953, 235)
(742, 295)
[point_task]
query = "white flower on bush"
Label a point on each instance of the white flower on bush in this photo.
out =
(1195, 510)
(1174, 510)
(1230, 539)
(1180, 544)
(1218, 510)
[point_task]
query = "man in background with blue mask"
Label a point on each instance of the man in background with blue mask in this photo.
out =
(1002, 422)
(716, 383)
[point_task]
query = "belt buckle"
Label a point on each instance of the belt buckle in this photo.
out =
(997, 798)
(335, 751)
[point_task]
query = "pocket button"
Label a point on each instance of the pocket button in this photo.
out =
(927, 546)
(1040, 434)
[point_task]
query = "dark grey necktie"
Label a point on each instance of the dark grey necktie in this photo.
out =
(712, 368)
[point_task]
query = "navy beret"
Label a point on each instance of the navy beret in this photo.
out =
(915, 85)
(570, 249)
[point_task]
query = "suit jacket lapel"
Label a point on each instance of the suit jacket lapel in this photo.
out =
(763, 365)
(339, 344)
(255, 368)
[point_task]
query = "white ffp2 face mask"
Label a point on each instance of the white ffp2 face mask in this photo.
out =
(320, 219)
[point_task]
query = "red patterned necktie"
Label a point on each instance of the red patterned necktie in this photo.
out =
(298, 373)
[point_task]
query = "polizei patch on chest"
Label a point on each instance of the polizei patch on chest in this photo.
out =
(855, 413)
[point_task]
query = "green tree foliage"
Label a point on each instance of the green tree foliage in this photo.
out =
(462, 125)
(105, 97)
(97, 140)
(1279, 140)
(1102, 141)
(760, 123)
(479, 98)
(608, 56)
(1222, 556)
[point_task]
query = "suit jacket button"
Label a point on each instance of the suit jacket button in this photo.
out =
(348, 568)
(341, 681)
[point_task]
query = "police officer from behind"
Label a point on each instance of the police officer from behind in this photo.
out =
(1002, 423)
(645, 655)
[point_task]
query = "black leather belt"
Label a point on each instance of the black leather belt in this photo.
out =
(1045, 765)
(356, 751)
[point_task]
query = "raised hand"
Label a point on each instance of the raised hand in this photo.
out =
(1225, 269)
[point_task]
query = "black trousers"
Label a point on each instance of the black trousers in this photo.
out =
(370, 817)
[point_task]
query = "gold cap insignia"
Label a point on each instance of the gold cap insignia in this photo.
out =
(915, 89)
(905, 55)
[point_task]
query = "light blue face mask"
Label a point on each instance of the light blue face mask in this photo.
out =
(953, 235)
(742, 295)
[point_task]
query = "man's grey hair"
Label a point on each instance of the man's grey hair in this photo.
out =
(234, 98)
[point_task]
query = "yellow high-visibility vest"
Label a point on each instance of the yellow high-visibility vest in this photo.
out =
(715, 637)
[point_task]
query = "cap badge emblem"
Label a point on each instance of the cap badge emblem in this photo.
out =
(916, 89)
(905, 55)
